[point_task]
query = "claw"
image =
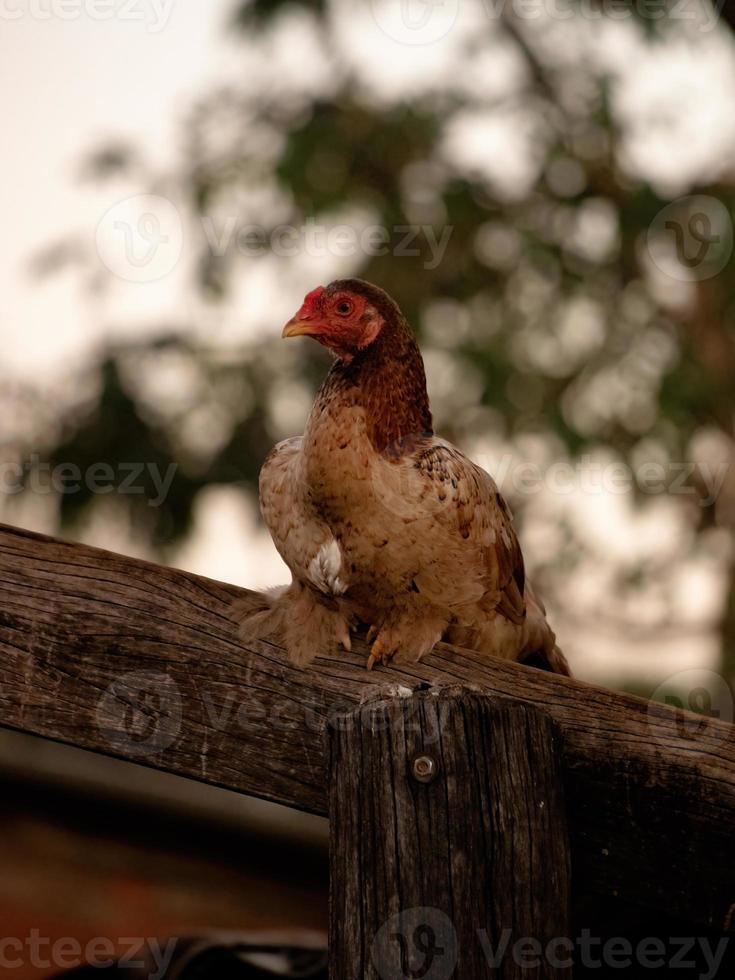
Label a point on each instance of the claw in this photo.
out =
(372, 633)
(342, 634)
(376, 654)
(379, 654)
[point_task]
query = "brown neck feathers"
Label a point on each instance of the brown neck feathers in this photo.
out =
(388, 380)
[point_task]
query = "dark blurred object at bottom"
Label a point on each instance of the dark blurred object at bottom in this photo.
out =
(226, 956)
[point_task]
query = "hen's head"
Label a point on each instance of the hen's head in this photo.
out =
(346, 316)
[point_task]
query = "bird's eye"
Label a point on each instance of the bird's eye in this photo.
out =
(344, 307)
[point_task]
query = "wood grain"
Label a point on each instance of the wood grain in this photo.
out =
(143, 662)
(466, 874)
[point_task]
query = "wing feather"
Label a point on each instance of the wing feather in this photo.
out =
(303, 540)
(466, 501)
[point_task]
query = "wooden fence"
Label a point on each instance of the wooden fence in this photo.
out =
(460, 784)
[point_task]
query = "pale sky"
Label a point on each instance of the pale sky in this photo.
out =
(65, 88)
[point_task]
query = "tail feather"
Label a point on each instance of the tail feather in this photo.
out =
(551, 659)
(558, 662)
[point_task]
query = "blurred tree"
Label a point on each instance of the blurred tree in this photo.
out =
(547, 316)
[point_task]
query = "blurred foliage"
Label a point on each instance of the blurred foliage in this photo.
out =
(545, 308)
(258, 12)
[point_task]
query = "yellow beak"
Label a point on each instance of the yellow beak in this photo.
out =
(299, 328)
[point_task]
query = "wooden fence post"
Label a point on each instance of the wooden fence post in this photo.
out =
(449, 847)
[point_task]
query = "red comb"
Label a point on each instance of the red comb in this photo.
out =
(309, 305)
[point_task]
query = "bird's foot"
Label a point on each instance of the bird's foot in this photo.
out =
(406, 640)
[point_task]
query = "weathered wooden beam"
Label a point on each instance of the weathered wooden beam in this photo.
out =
(449, 854)
(143, 662)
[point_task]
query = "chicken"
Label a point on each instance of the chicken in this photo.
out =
(381, 522)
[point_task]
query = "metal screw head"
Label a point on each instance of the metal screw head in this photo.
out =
(424, 769)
